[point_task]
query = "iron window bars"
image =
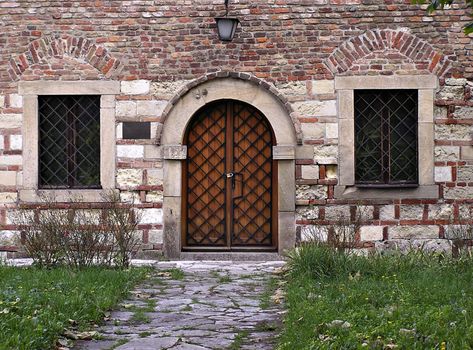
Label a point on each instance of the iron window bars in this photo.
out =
(69, 141)
(386, 138)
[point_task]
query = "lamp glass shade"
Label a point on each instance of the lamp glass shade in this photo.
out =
(226, 27)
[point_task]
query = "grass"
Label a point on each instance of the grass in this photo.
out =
(37, 304)
(409, 302)
(140, 317)
(176, 274)
(265, 297)
(239, 339)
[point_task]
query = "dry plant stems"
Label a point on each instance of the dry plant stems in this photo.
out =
(122, 221)
(80, 237)
(341, 234)
(460, 232)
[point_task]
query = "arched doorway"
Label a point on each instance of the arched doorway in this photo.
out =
(229, 199)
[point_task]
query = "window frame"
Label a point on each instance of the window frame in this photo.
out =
(30, 90)
(345, 87)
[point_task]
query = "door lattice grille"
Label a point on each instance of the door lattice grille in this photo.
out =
(229, 178)
(386, 137)
(206, 179)
(252, 158)
(69, 147)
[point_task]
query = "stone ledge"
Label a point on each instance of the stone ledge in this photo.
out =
(80, 195)
(421, 192)
(69, 87)
(176, 152)
(284, 152)
(382, 82)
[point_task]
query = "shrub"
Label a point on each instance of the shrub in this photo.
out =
(80, 237)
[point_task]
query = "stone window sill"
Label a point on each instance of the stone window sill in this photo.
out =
(79, 195)
(420, 192)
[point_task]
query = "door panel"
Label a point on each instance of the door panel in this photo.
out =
(228, 179)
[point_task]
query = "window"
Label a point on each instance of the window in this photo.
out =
(69, 141)
(386, 138)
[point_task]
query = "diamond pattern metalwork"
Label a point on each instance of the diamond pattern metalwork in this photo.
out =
(69, 141)
(206, 178)
(386, 137)
(252, 158)
(229, 177)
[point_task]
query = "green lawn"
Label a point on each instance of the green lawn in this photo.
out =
(37, 304)
(393, 302)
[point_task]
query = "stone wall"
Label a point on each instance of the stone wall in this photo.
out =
(296, 48)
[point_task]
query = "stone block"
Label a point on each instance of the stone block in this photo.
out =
(150, 108)
(338, 212)
(323, 86)
(414, 232)
(11, 160)
(453, 132)
(174, 152)
(151, 216)
(310, 172)
(456, 81)
(16, 142)
(463, 112)
(440, 211)
(465, 173)
(466, 211)
(443, 173)
(371, 233)
(325, 154)
(10, 121)
(155, 236)
(305, 152)
(167, 88)
(386, 212)
(307, 213)
(447, 153)
(16, 101)
(126, 109)
(467, 152)
(313, 108)
(313, 130)
(129, 177)
(130, 151)
(451, 93)
(135, 87)
(306, 192)
(153, 152)
(155, 176)
(2, 101)
(9, 238)
(8, 197)
(458, 192)
(130, 197)
(284, 152)
(412, 212)
(331, 130)
(2, 144)
(293, 88)
(154, 197)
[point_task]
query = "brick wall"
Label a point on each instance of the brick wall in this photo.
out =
(155, 48)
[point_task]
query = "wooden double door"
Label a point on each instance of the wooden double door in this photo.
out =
(229, 180)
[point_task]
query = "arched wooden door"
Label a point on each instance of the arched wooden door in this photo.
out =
(229, 180)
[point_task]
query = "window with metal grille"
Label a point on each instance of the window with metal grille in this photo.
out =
(69, 141)
(386, 138)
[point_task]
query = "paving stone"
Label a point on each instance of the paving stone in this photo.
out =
(198, 312)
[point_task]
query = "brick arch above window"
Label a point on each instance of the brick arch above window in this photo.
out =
(77, 48)
(400, 41)
(260, 84)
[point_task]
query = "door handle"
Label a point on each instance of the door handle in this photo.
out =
(237, 177)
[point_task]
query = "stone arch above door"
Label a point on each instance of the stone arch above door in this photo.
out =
(229, 85)
(174, 153)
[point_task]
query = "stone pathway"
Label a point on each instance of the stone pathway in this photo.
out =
(196, 306)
